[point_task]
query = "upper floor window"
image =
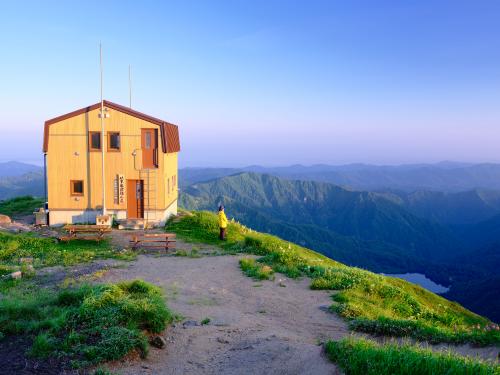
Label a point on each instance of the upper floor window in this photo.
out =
(147, 142)
(95, 141)
(76, 187)
(113, 141)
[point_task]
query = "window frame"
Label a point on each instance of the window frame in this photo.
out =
(112, 149)
(90, 141)
(72, 191)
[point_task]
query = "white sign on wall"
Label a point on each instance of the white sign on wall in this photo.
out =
(121, 189)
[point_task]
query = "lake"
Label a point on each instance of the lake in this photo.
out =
(422, 280)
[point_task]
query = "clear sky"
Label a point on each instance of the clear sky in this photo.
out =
(264, 82)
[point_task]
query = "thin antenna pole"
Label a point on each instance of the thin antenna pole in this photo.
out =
(102, 138)
(130, 86)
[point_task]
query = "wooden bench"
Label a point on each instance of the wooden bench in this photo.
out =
(158, 241)
(85, 232)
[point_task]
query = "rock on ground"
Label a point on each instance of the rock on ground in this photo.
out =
(4, 219)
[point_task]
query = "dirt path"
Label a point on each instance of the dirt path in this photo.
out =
(255, 327)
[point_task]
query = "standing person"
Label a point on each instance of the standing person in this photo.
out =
(222, 223)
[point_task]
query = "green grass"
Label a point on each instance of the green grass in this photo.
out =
(364, 357)
(87, 324)
(256, 270)
(372, 303)
(46, 252)
(19, 206)
(101, 371)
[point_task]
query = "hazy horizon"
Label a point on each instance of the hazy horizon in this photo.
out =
(458, 163)
(265, 83)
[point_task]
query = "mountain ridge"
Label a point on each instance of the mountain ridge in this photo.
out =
(371, 230)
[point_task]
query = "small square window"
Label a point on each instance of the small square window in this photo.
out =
(77, 187)
(95, 141)
(113, 141)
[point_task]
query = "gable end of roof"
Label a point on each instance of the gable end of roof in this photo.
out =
(169, 132)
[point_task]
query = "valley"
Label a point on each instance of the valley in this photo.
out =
(451, 237)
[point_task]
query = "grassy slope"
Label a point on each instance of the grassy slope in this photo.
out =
(84, 324)
(372, 303)
(46, 252)
(365, 357)
(18, 206)
(87, 324)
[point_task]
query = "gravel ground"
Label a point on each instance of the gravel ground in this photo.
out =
(254, 328)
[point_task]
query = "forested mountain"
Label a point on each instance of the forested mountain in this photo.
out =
(30, 183)
(15, 168)
(467, 207)
(18, 179)
(383, 232)
(401, 223)
(444, 176)
(363, 215)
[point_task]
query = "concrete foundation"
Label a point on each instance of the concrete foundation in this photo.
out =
(63, 217)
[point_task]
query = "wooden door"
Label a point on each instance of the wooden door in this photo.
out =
(135, 199)
(149, 147)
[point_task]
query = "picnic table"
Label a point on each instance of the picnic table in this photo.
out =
(160, 241)
(85, 232)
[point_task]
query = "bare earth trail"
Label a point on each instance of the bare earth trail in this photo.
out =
(255, 327)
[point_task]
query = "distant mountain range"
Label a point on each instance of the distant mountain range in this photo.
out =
(381, 231)
(442, 220)
(444, 176)
(15, 168)
(20, 179)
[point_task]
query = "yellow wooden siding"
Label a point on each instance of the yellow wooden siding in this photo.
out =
(69, 158)
(171, 170)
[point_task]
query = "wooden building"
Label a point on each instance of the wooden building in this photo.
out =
(139, 154)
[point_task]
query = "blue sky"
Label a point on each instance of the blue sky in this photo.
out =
(265, 82)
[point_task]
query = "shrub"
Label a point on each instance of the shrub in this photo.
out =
(43, 345)
(88, 324)
(256, 270)
(424, 331)
(24, 205)
(365, 357)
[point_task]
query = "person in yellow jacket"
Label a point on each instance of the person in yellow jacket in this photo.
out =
(222, 223)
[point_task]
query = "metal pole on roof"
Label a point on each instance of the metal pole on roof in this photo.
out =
(102, 139)
(130, 87)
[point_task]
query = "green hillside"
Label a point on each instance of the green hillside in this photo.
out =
(372, 218)
(371, 302)
(462, 208)
(30, 183)
(444, 176)
(382, 232)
